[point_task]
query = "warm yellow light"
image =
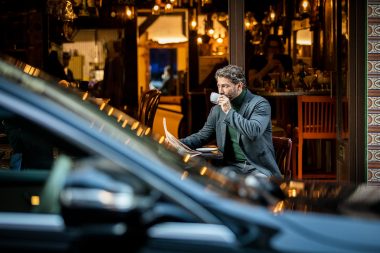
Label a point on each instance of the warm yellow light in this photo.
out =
(210, 31)
(119, 118)
(292, 193)
(85, 95)
(139, 131)
(219, 40)
(279, 207)
(168, 7)
(161, 140)
(135, 125)
(247, 24)
(110, 111)
(199, 40)
(203, 170)
(186, 158)
(193, 24)
(27, 68)
(185, 174)
(147, 131)
(305, 4)
(272, 15)
(156, 10)
(280, 31)
(35, 200)
(125, 123)
(129, 11)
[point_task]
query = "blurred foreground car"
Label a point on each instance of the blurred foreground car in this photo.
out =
(114, 185)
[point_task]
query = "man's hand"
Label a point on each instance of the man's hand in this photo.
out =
(224, 103)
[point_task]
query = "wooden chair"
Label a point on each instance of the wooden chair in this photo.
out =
(316, 121)
(148, 107)
(283, 150)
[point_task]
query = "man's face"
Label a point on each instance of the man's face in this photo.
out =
(229, 89)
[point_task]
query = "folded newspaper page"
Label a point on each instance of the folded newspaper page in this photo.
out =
(182, 148)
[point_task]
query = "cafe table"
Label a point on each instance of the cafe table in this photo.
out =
(214, 157)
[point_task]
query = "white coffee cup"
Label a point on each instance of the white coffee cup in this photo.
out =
(214, 97)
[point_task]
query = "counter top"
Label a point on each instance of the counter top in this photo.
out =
(290, 93)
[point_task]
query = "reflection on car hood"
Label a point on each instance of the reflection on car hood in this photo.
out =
(335, 198)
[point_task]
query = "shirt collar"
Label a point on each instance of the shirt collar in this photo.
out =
(238, 101)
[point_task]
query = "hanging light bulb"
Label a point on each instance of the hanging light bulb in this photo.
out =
(219, 39)
(249, 21)
(205, 2)
(210, 32)
(209, 26)
(156, 10)
(193, 22)
(272, 14)
(168, 7)
(280, 30)
(193, 25)
(130, 12)
(247, 24)
(305, 7)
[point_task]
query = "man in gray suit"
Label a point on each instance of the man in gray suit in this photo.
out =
(241, 124)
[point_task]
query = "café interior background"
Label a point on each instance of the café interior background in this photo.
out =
(316, 32)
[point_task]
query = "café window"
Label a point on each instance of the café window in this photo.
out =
(163, 61)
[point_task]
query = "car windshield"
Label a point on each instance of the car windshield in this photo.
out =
(117, 126)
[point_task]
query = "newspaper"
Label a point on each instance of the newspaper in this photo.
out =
(173, 141)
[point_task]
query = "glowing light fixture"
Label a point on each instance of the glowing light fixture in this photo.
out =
(219, 39)
(194, 22)
(35, 200)
(168, 8)
(130, 12)
(156, 10)
(272, 14)
(305, 7)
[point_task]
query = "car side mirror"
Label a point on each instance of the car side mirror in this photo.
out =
(92, 195)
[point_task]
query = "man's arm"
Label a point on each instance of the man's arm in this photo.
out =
(257, 121)
(206, 134)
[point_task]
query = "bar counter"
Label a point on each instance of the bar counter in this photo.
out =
(265, 93)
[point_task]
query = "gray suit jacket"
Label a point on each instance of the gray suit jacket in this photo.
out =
(254, 132)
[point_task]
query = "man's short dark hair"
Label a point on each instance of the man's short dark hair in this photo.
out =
(232, 72)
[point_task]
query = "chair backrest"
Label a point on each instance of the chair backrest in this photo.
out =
(283, 150)
(148, 107)
(316, 117)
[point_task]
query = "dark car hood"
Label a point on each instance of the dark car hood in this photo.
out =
(327, 197)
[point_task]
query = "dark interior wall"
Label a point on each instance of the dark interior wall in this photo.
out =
(23, 30)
